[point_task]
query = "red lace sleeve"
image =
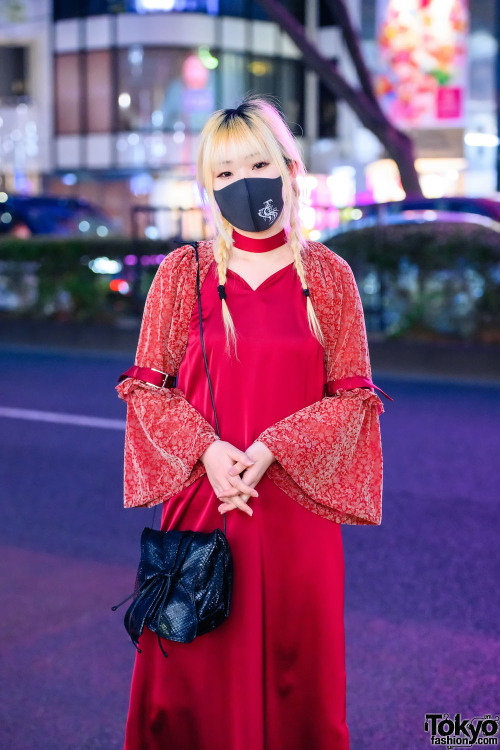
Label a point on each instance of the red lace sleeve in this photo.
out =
(331, 450)
(165, 436)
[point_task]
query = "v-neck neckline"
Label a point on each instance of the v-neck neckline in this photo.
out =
(283, 268)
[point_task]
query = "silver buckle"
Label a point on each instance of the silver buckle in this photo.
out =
(165, 374)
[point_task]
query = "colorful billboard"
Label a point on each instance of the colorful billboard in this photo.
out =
(422, 61)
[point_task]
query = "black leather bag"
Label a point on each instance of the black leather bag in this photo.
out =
(184, 580)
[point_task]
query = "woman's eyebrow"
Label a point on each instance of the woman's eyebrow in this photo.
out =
(248, 156)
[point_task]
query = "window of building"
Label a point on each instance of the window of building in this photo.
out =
(284, 79)
(166, 89)
(328, 112)
(163, 88)
(99, 92)
(234, 79)
(291, 94)
(326, 16)
(68, 94)
(264, 74)
(63, 9)
(241, 8)
(13, 74)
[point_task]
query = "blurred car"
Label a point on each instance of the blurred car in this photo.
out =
(484, 211)
(26, 215)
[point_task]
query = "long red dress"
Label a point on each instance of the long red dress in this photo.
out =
(272, 676)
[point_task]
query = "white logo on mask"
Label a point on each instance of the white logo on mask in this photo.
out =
(269, 211)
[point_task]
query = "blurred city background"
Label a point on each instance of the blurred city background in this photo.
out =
(396, 104)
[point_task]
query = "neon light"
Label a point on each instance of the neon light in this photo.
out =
(145, 6)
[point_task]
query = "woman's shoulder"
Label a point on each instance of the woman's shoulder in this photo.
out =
(182, 260)
(321, 259)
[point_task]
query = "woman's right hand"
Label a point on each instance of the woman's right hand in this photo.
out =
(218, 458)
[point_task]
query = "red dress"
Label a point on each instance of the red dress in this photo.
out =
(272, 676)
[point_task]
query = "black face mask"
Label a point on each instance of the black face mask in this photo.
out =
(251, 204)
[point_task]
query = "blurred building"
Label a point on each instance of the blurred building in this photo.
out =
(434, 64)
(26, 122)
(117, 93)
(104, 99)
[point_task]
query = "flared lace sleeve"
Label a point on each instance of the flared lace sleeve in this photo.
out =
(329, 454)
(164, 436)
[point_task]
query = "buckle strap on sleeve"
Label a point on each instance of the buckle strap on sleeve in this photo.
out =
(149, 375)
(356, 381)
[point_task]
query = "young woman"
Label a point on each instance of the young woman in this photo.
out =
(298, 454)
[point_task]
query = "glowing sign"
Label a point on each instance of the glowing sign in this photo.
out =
(422, 61)
(143, 6)
(154, 6)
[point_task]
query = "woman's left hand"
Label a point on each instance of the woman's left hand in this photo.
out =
(263, 458)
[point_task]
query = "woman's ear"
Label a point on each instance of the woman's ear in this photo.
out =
(292, 168)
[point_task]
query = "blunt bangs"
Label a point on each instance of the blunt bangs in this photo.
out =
(244, 144)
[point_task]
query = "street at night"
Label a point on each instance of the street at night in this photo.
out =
(421, 610)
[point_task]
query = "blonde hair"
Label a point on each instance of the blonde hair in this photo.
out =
(259, 124)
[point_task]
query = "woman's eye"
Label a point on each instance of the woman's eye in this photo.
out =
(258, 165)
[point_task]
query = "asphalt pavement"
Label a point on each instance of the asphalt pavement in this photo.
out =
(421, 609)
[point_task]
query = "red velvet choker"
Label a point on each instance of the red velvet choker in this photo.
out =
(259, 245)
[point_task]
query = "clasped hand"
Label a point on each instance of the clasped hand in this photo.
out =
(224, 463)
